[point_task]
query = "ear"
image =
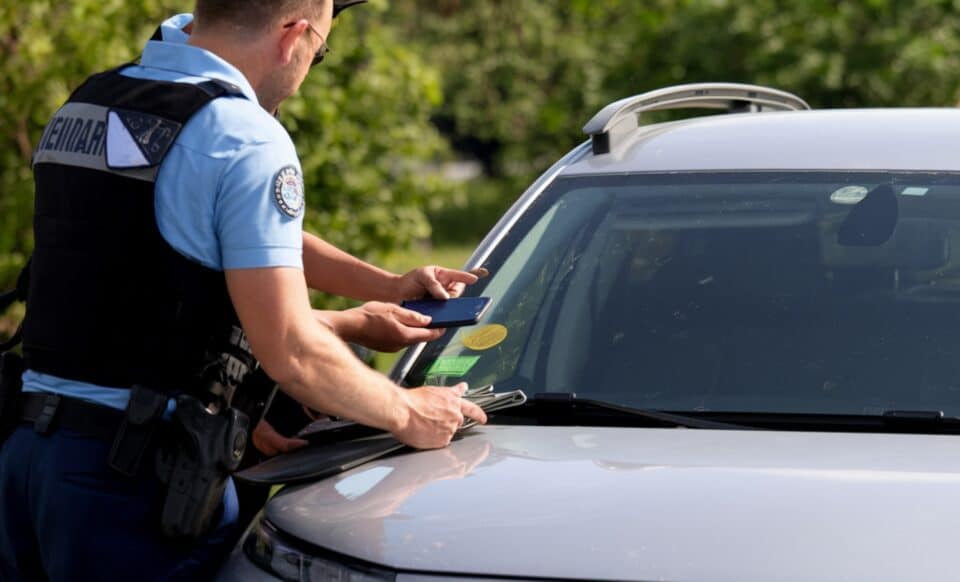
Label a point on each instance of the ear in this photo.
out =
(289, 39)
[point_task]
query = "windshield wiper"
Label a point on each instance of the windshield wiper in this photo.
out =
(921, 420)
(565, 408)
(890, 421)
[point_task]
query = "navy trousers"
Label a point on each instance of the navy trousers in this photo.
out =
(64, 515)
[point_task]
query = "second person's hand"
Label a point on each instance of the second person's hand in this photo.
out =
(271, 443)
(384, 327)
(433, 281)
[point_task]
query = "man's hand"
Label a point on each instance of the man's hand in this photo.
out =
(271, 443)
(437, 282)
(435, 414)
(383, 327)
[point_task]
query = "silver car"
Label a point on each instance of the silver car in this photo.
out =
(739, 336)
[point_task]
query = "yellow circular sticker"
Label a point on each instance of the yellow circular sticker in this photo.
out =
(486, 337)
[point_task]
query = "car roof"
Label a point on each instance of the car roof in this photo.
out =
(899, 139)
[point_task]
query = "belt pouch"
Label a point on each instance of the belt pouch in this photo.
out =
(11, 386)
(144, 410)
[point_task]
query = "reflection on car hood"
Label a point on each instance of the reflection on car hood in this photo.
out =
(647, 504)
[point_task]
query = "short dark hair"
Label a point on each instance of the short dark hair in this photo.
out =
(252, 14)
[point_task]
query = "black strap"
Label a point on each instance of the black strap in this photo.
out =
(7, 299)
(51, 411)
(216, 88)
(19, 293)
(23, 280)
(13, 341)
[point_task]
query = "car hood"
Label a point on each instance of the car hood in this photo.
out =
(646, 504)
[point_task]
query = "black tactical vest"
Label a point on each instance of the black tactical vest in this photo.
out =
(109, 301)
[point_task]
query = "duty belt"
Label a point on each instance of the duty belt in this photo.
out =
(50, 411)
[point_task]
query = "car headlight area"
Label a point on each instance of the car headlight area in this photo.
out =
(288, 560)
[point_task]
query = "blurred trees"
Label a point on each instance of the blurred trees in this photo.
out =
(522, 77)
(508, 83)
(46, 49)
(361, 121)
(362, 126)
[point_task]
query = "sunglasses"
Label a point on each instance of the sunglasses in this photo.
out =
(322, 51)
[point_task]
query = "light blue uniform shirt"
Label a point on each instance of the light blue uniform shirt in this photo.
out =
(229, 194)
(172, 28)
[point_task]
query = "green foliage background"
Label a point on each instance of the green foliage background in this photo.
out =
(508, 83)
(522, 77)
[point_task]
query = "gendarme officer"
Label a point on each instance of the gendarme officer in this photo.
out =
(169, 251)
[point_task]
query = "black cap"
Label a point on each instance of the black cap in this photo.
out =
(341, 5)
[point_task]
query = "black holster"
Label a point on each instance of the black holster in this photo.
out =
(203, 449)
(11, 386)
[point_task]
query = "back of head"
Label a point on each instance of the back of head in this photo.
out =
(254, 14)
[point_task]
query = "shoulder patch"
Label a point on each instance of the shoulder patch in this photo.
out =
(288, 191)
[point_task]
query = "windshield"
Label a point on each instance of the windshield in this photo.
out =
(821, 292)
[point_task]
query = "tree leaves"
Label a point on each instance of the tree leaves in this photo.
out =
(361, 122)
(509, 83)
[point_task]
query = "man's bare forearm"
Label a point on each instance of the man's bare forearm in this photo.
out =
(309, 362)
(334, 381)
(334, 271)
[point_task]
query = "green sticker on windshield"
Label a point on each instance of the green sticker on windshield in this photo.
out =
(455, 366)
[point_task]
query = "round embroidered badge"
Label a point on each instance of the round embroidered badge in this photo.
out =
(288, 191)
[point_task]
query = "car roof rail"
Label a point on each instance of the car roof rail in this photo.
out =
(619, 119)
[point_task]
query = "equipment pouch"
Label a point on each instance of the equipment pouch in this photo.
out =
(254, 395)
(208, 447)
(144, 410)
(11, 385)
